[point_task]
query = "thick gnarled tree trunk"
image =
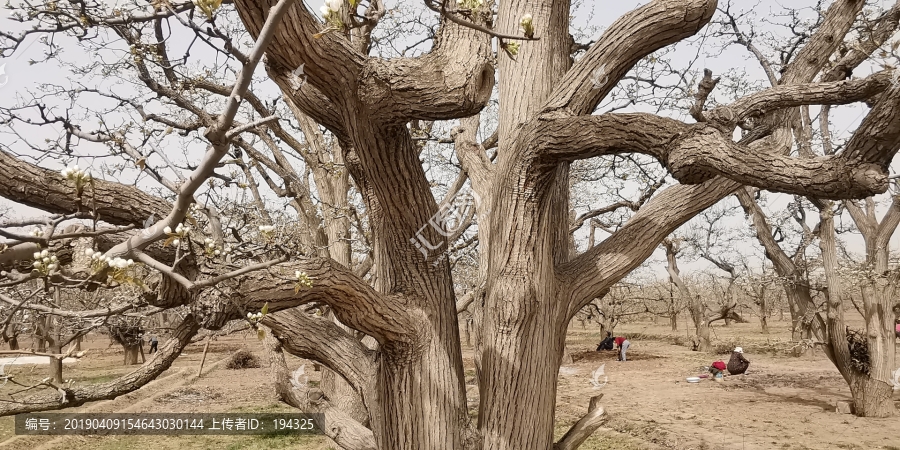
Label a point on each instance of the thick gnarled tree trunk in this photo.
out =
(764, 314)
(56, 364)
(132, 354)
(412, 389)
(867, 368)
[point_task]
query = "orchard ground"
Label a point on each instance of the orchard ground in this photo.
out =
(783, 402)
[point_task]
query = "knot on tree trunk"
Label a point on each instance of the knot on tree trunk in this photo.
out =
(212, 309)
(871, 178)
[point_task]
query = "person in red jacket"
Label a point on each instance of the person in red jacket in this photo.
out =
(622, 344)
(717, 368)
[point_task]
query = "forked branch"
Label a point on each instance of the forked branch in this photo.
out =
(338, 425)
(319, 339)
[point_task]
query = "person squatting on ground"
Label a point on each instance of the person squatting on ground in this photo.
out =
(738, 364)
(717, 368)
(607, 343)
(622, 343)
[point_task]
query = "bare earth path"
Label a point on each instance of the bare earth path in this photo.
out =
(781, 403)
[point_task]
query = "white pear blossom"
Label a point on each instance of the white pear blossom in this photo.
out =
(335, 5)
(176, 242)
(526, 20)
(120, 263)
(76, 174)
(167, 230)
(44, 262)
(89, 252)
(526, 24)
(303, 279)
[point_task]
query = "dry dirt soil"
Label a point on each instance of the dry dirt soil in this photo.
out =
(783, 402)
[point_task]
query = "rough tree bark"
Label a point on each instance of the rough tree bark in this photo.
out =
(871, 386)
(763, 311)
(343, 429)
(421, 366)
(132, 352)
(673, 310)
(413, 385)
(56, 365)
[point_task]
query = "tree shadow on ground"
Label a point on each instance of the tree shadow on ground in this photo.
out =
(611, 355)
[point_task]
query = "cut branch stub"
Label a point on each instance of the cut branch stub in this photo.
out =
(707, 84)
(583, 429)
